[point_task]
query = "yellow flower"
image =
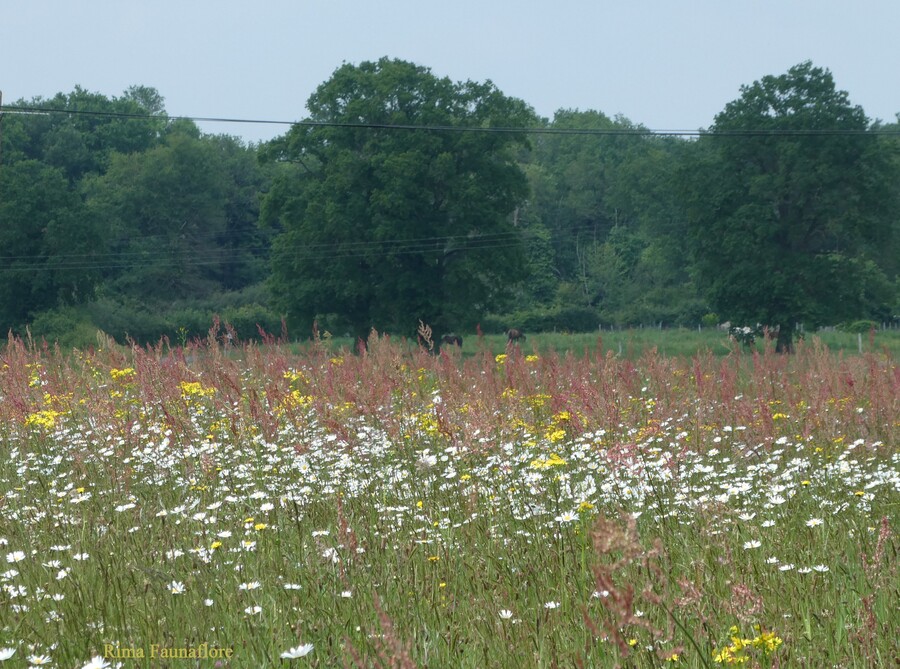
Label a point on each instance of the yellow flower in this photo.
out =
(296, 399)
(767, 641)
(537, 401)
(45, 418)
(500, 359)
(121, 374)
(556, 435)
(553, 461)
(190, 389)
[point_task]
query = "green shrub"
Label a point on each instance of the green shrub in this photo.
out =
(565, 318)
(68, 326)
(248, 318)
(126, 319)
(709, 320)
(857, 327)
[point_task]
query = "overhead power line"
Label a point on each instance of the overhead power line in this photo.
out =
(331, 250)
(320, 248)
(209, 259)
(535, 130)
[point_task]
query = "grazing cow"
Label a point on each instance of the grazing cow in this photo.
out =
(452, 340)
(515, 335)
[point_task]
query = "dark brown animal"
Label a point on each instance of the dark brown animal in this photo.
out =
(515, 335)
(452, 340)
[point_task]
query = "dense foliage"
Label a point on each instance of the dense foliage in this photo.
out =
(114, 216)
(782, 223)
(382, 227)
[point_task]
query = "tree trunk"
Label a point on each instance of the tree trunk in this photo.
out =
(785, 341)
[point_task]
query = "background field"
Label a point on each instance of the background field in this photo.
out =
(634, 342)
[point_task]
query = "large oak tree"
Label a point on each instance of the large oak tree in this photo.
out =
(789, 193)
(397, 206)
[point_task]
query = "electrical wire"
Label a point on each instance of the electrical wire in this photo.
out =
(300, 252)
(532, 130)
(172, 262)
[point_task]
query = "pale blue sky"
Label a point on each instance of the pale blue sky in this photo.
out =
(666, 64)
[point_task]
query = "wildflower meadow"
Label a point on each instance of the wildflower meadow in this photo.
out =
(247, 506)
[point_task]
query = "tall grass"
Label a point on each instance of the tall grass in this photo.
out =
(470, 509)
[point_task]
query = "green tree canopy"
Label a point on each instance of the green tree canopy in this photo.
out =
(381, 226)
(578, 172)
(787, 192)
(86, 130)
(47, 243)
(165, 213)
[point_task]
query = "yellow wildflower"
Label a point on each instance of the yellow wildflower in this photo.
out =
(553, 461)
(556, 435)
(190, 389)
(45, 418)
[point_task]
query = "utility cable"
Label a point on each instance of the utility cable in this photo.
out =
(542, 130)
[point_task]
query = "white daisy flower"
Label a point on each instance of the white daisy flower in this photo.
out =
(299, 651)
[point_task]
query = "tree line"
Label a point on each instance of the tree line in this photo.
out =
(404, 196)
